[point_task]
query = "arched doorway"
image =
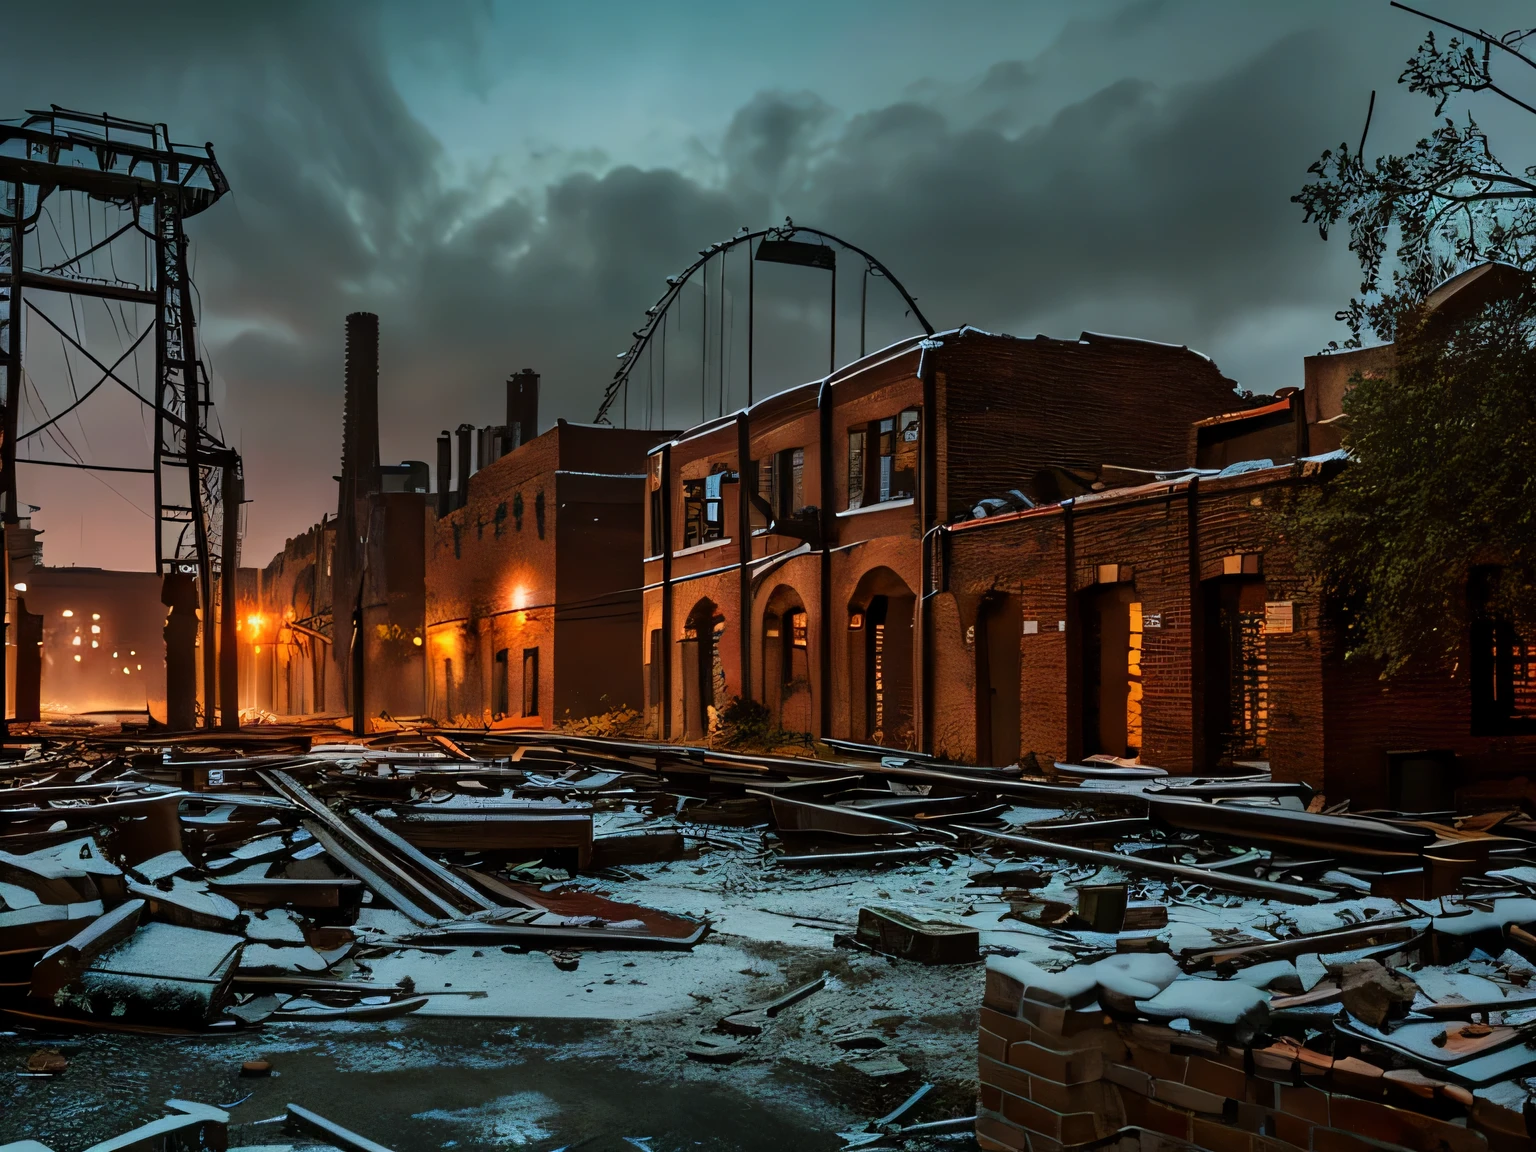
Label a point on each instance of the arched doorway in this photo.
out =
(998, 627)
(1111, 639)
(786, 660)
(703, 675)
(880, 648)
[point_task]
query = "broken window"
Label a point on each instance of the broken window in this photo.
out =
(781, 482)
(798, 634)
(882, 459)
(530, 681)
(1503, 665)
(856, 438)
(704, 509)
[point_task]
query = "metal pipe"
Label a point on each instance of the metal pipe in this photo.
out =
(1242, 885)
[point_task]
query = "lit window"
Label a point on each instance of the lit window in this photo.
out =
(114, 655)
(77, 657)
(67, 612)
(95, 615)
(125, 672)
(96, 629)
(95, 643)
(20, 585)
(139, 667)
(76, 641)
(131, 652)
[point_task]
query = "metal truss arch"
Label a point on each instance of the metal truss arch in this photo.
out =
(656, 314)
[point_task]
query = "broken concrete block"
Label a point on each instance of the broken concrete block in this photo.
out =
(1240, 1008)
(63, 963)
(162, 867)
(41, 926)
(189, 904)
(163, 972)
(275, 926)
(52, 879)
(926, 941)
(1124, 979)
(1372, 993)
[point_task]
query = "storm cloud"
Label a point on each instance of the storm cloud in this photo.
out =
(1130, 171)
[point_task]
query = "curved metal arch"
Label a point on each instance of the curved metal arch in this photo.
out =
(656, 313)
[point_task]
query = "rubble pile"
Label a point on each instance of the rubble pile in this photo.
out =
(1226, 962)
(1387, 1004)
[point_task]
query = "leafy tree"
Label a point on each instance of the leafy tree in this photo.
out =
(1441, 477)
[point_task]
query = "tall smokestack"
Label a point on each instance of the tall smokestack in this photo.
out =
(523, 405)
(360, 416)
(444, 473)
(465, 432)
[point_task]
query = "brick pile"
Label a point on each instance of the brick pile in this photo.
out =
(1056, 1073)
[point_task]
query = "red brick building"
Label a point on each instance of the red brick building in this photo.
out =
(787, 544)
(533, 584)
(1167, 621)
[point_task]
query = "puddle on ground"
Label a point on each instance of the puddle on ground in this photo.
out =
(414, 1086)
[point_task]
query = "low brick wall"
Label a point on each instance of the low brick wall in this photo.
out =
(1055, 1077)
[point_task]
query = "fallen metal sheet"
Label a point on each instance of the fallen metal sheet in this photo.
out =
(574, 903)
(829, 819)
(1243, 885)
(1351, 835)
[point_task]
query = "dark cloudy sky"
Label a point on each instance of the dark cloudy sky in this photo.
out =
(507, 185)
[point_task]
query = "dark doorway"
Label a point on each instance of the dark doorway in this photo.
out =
(530, 681)
(786, 661)
(699, 665)
(29, 662)
(1236, 672)
(880, 658)
(501, 697)
(1111, 639)
(998, 625)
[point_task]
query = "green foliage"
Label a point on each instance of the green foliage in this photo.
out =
(1448, 203)
(1440, 479)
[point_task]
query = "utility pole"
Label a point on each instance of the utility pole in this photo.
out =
(231, 490)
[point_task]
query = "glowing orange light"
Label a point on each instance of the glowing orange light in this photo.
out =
(416, 640)
(258, 649)
(254, 619)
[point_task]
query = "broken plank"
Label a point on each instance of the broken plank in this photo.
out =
(1242, 885)
(313, 1124)
(440, 875)
(379, 885)
(340, 840)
